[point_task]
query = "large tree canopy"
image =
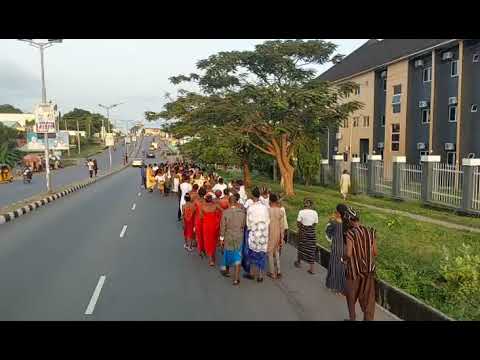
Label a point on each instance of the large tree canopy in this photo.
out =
(268, 96)
(87, 121)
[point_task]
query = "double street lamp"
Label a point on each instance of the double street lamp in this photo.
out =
(42, 46)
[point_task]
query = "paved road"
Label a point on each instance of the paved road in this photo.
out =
(52, 260)
(18, 191)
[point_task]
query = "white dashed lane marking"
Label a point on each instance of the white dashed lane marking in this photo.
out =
(134, 206)
(124, 229)
(96, 294)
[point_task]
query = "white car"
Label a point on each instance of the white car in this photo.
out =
(137, 163)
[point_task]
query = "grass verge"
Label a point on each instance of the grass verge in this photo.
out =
(437, 265)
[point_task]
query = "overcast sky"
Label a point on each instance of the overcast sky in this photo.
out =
(84, 73)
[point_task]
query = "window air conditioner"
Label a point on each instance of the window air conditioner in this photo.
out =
(449, 146)
(338, 136)
(423, 104)
(380, 145)
(420, 146)
(447, 55)
(452, 100)
(418, 63)
(383, 74)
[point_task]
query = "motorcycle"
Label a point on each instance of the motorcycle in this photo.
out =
(27, 176)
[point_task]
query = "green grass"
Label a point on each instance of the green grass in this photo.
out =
(411, 253)
(85, 151)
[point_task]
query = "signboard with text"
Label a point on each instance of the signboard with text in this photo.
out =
(56, 141)
(45, 116)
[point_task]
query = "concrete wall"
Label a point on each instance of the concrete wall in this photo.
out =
(379, 111)
(354, 134)
(397, 74)
(445, 87)
(470, 122)
(418, 91)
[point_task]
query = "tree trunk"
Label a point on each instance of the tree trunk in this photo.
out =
(287, 171)
(247, 177)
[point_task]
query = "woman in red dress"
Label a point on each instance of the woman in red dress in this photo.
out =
(188, 222)
(211, 227)
(198, 221)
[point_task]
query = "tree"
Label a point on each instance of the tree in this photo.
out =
(89, 122)
(308, 159)
(8, 154)
(9, 109)
(267, 96)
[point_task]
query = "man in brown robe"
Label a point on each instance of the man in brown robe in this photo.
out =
(360, 253)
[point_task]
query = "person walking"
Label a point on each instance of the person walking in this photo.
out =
(224, 201)
(150, 178)
(258, 221)
(360, 254)
(345, 184)
(185, 187)
(307, 239)
(143, 174)
(336, 269)
(220, 186)
(276, 231)
(265, 197)
(232, 228)
(95, 167)
(90, 166)
(160, 179)
(211, 227)
(188, 222)
(199, 201)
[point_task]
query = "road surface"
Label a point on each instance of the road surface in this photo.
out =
(115, 252)
(18, 191)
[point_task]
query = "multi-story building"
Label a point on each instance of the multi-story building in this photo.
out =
(420, 96)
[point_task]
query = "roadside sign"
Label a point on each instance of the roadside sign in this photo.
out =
(109, 141)
(127, 139)
(45, 116)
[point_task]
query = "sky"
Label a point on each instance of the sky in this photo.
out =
(84, 73)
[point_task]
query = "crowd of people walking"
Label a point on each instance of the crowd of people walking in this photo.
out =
(251, 230)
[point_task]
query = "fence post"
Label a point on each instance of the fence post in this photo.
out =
(353, 174)
(337, 161)
(372, 159)
(324, 172)
(427, 176)
(469, 166)
(396, 175)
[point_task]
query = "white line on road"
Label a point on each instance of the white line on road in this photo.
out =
(96, 294)
(134, 206)
(123, 231)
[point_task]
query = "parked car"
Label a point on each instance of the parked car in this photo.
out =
(137, 163)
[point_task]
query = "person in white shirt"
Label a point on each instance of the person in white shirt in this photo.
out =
(345, 184)
(90, 166)
(242, 192)
(258, 221)
(160, 178)
(185, 187)
(265, 197)
(219, 186)
(307, 239)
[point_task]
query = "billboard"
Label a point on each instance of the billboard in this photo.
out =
(45, 116)
(56, 141)
(109, 141)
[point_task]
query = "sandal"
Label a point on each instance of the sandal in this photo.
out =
(225, 273)
(271, 276)
(279, 275)
(236, 283)
(260, 279)
(211, 264)
(310, 272)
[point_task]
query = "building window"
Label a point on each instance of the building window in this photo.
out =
(454, 68)
(356, 91)
(395, 137)
(396, 98)
(385, 85)
(474, 108)
(355, 121)
(476, 58)
(452, 113)
(382, 121)
(345, 123)
(397, 89)
(451, 157)
(427, 74)
(366, 121)
(425, 116)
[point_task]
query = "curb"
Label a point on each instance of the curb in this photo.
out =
(10, 216)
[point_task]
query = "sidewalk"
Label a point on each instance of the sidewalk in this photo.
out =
(419, 217)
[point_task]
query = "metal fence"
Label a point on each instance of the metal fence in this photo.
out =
(382, 175)
(476, 189)
(411, 181)
(447, 184)
(360, 175)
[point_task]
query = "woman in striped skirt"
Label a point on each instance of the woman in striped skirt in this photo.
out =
(307, 239)
(336, 269)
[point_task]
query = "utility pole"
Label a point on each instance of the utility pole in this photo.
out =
(66, 129)
(108, 107)
(78, 137)
(41, 46)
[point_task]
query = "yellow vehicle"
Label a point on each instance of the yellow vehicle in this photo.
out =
(6, 174)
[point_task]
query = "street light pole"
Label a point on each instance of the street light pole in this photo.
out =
(107, 108)
(43, 46)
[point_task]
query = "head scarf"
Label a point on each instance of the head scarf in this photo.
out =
(307, 203)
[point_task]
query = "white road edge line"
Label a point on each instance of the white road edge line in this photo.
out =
(96, 294)
(134, 206)
(123, 231)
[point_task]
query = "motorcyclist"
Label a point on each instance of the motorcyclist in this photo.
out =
(27, 173)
